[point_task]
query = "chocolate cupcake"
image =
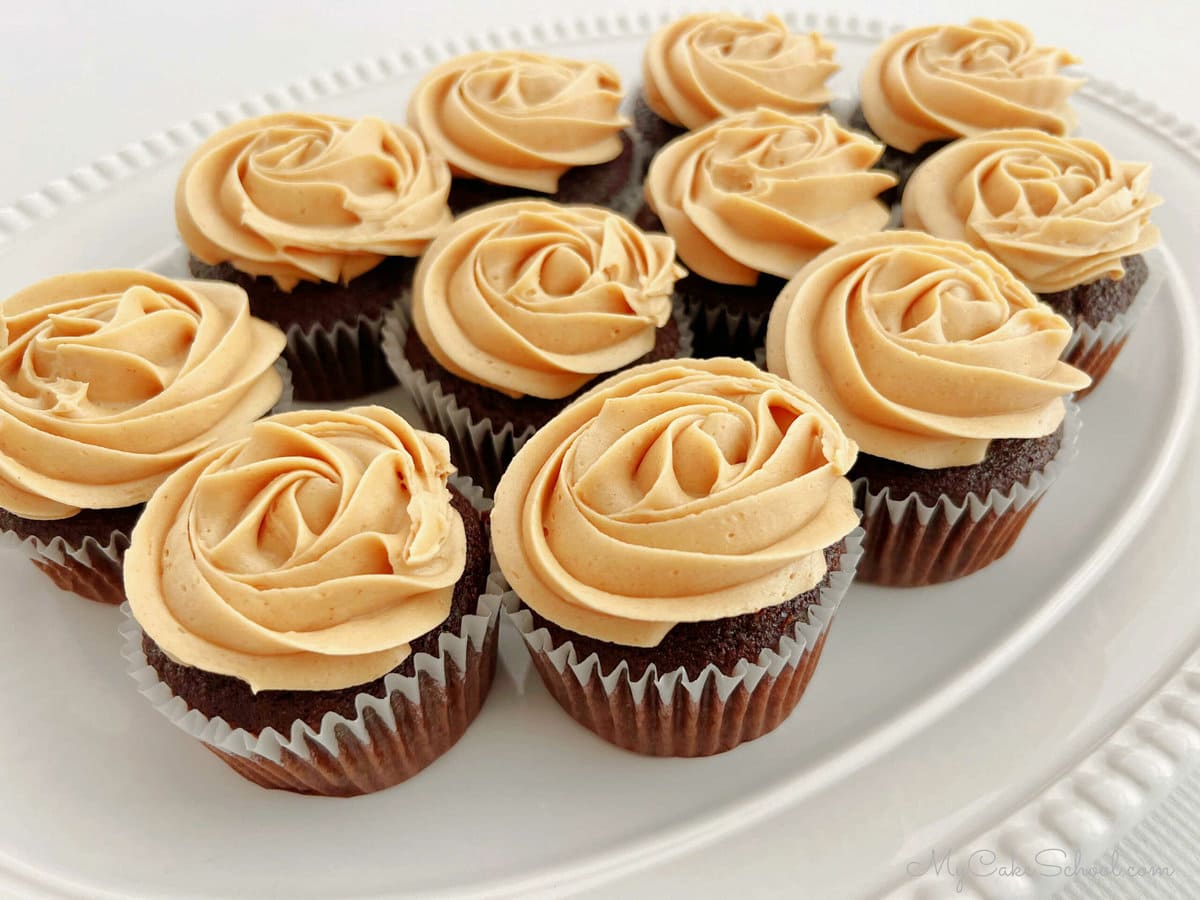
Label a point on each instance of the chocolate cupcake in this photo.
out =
(513, 123)
(677, 542)
(516, 308)
(112, 380)
(1065, 217)
(318, 218)
(309, 602)
(706, 66)
(945, 370)
(749, 200)
(929, 85)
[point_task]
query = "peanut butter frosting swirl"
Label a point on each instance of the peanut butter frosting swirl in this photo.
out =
(763, 191)
(533, 298)
(518, 118)
(304, 557)
(1058, 212)
(708, 65)
(942, 82)
(923, 349)
(111, 380)
(677, 491)
(304, 197)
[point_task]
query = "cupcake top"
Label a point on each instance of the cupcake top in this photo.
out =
(1058, 212)
(708, 65)
(763, 191)
(923, 349)
(532, 298)
(305, 556)
(111, 380)
(677, 491)
(518, 118)
(303, 197)
(941, 82)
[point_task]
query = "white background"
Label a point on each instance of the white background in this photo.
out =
(78, 80)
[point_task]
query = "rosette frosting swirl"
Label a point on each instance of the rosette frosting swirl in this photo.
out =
(677, 491)
(942, 82)
(518, 118)
(763, 191)
(303, 197)
(111, 380)
(708, 65)
(1058, 212)
(923, 349)
(529, 297)
(304, 557)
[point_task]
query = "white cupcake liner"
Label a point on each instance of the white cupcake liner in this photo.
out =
(400, 733)
(1094, 348)
(92, 565)
(910, 542)
(671, 713)
(480, 448)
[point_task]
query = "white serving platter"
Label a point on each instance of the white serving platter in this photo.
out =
(1043, 703)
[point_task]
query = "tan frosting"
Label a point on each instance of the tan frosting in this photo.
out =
(1058, 212)
(704, 66)
(303, 197)
(677, 491)
(304, 557)
(111, 380)
(519, 118)
(765, 192)
(941, 82)
(529, 297)
(923, 349)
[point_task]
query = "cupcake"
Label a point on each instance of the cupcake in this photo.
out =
(707, 66)
(926, 86)
(319, 220)
(677, 542)
(113, 380)
(308, 602)
(516, 308)
(749, 200)
(513, 123)
(945, 370)
(1065, 217)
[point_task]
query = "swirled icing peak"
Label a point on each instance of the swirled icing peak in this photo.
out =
(763, 191)
(529, 297)
(708, 65)
(941, 82)
(304, 197)
(111, 380)
(304, 557)
(518, 118)
(923, 349)
(676, 491)
(1058, 212)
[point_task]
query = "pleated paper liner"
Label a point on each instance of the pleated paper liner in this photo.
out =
(909, 543)
(727, 330)
(390, 738)
(671, 714)
(1094, 348)
(481, 448)
(91, 565)
(340, 363)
